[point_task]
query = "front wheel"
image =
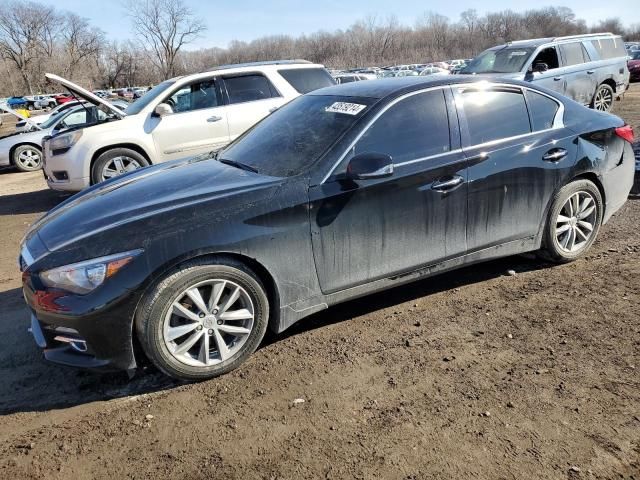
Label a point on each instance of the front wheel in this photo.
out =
(115, 162)
(203, 320)
(574, 220)
(603, 99)
(27, 158)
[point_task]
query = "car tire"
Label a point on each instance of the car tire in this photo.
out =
(115, 162)
(603, 98)
(175, 338)
(575, 209)
(30, 107)
(27, 158)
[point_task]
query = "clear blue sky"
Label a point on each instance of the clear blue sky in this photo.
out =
(248, 19)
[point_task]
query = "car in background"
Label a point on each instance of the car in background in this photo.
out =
(349, 77)
(183, 116)
(23, 125)
(633, 64)
(61, 98)
(17, 102)
(636, 182)
(591, 69)
(23, 149)
(39, 102)
(343, 192)
(434, 71)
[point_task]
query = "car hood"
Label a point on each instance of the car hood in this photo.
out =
(633, 63)
(509, 76)
(80, 92)
(20, 117)
(145, 193)
(33, 136)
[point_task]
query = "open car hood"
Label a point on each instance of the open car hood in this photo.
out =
(5, 109)
(81, 93)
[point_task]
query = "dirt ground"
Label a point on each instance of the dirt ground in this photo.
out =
(473, 374)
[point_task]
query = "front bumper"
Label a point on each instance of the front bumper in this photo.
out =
(87, 331)
(52, 165)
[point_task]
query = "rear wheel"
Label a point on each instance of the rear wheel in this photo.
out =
(603, 99)
(573, 222)
(115, 162)
(27, 158)
(203, 320)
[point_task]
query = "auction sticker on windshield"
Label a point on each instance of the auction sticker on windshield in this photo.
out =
(344, 107)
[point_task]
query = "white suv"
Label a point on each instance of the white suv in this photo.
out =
(177, 118)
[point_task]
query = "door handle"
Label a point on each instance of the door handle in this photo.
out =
(554, 155)
(591, 72)
(215, 118)
(273, 109)
(557, 79)
(446, 184)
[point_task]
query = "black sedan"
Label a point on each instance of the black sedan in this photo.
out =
(345, 191)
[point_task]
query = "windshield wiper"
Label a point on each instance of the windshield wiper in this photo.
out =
(243, 166)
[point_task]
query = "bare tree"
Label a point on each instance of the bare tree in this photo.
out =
(23, 27)
(165, 26)
(80, 42)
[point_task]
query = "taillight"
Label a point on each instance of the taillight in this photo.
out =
(625, 133)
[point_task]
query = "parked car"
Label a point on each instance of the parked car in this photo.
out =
(434, 71)
(179, 117)
(63, 98)
(17, 102)
(633, 64)
(590, 69)
(38, 102)
(23, 126)
(349, 77)
(23, 150)
(336, 195)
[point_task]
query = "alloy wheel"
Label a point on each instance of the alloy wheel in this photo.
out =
(29, 158)
(208, 323)
(603, 100)
(119, 165)
(576, 221)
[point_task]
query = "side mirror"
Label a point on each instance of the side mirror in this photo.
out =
(366, 166)
(162, 109)
(540, 67)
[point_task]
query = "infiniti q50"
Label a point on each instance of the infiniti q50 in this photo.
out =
(345, 191)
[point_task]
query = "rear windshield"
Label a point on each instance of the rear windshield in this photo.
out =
(503, 60)
(291, 139)
(306, 80)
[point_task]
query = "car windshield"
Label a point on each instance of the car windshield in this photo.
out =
(502, 60)
(291, 139)
(635, 55)
(147, 98)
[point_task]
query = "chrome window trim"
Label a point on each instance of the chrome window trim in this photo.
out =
(558, 123)
(372, 121)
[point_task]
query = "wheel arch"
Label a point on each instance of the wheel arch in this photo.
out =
(17, 145)
(132, 146)
(162, 271)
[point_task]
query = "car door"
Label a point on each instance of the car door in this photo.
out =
(198, 123)
(518, 152)
(553, 78)
(370, 229)
(580, 76)
(251, 97)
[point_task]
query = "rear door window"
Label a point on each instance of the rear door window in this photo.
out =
(305, 80)
(413, 128)
(249, 88)
(494, 114)
(574, 53)
(542, 110)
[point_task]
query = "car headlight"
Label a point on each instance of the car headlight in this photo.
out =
(84, 277)
(65, 141)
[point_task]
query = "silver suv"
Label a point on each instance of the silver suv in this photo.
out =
(590, 69)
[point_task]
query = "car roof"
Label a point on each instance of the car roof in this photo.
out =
(386, 87)
(243, 67)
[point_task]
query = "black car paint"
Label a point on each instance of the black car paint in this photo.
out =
(313, 243)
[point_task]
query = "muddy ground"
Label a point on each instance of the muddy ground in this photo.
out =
(473, 374)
